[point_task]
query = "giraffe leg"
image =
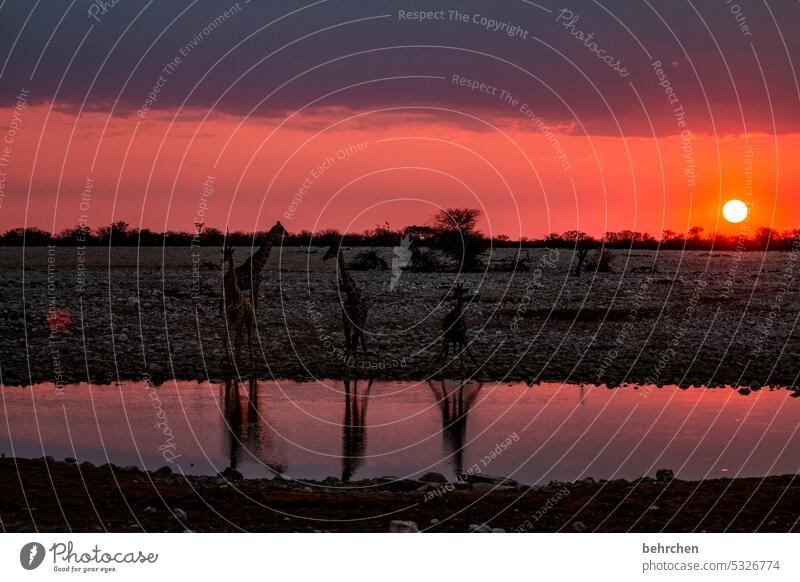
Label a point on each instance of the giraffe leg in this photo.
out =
(227, 341)
(254, 292)
(347, 337)
(250, 345)
(354, 348)
(237, 346)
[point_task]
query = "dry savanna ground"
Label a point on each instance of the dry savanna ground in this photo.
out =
(668, 318)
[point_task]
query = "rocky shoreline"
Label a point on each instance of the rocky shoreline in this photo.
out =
(49, 496)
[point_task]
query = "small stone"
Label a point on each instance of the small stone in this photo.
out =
(69, 460)
(579, 526)
(434, 521)
(150, 509)
(653, 508)
(482, 528)
(403, 526)
(163, 470)
(307, 489)
(180, 514)
(498, 530)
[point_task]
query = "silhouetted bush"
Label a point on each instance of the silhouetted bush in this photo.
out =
(601, 261)
(368, 261)
(425, 261)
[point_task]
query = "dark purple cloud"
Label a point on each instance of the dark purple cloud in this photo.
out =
(729, 65)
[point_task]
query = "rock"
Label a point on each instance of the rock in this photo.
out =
(133, 300)
(579, 526)
(434, 521)
(402, 526)
(130, 469)
(433, 477)
(307, 489)
(489, 479)
(498, 530)
(482, 528)
(150, 509)
(179, 513)
(163, 471)
(744, 391)
(664, 475)
(69, 460)
(653, 508)
(231, 474)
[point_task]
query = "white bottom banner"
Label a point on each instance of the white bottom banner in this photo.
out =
(355, 557)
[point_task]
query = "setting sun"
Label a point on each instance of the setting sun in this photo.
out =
(734, 211)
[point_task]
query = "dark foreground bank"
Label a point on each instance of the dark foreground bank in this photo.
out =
(50, 496)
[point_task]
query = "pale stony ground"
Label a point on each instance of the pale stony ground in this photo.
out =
(137, 315)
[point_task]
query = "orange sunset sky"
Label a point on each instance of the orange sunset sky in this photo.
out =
(613, 160)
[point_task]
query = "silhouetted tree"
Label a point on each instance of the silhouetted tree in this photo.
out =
(455, 234)
(583, 243)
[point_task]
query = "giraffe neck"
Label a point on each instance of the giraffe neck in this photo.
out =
(347, 280)
(236, 292)
(261, 256)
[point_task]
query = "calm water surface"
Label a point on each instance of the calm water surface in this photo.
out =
(354, 431)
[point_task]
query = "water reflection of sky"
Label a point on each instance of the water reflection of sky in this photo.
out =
(358, 430)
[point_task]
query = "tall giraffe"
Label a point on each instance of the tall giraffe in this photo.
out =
(239, 313)
(354, 306)
(454, 326)
(249, 272)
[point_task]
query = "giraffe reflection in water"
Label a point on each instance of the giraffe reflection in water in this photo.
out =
(248, 434)
(354, 427)
(455, 403)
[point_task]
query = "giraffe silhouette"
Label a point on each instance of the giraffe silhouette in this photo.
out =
(239, 313)
(454, 327)
(354, 305)
(248, 274)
